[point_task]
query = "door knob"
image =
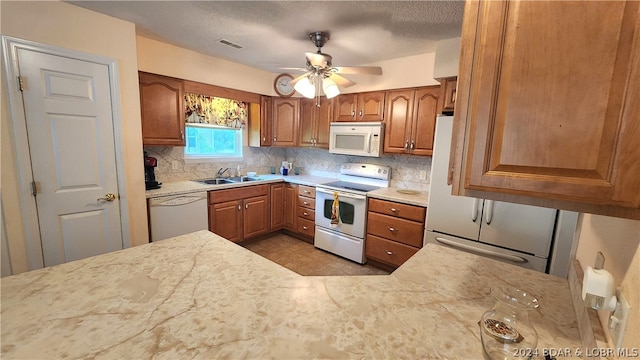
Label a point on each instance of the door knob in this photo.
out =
(108, 197)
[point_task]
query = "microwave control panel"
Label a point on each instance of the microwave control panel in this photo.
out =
(375, 143)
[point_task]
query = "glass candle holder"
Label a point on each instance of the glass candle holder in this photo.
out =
(505, 330)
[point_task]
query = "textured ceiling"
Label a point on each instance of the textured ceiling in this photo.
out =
(274, 34)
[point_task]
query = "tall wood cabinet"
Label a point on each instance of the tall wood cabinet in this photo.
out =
(314, 122)
(162, 109)
(286, 114)
(547, 108)
(367, 106)
(290, 206)
(411, 119)
(238, 214)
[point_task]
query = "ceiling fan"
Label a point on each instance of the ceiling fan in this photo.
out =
(321, 74)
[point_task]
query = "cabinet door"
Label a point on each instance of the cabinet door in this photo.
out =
(539, 115)
(277, 206)
(256, 216)
(162, 110)
(290, 206)
(324, 114)
(266, 113)
(285, 121)
(425, 109)
(307, 122)
(345, 107)
(449, 94)
(371, 106)
(397, 132)
(225, 219)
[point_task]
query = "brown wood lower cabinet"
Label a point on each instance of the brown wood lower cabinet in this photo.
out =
(239, 214)
(290, 206)
(277, 206)
(306, 211)
(395, 231)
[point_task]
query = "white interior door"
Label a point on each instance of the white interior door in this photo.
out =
(67, 104)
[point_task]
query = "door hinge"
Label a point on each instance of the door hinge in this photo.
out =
(21, 83)
(34, 189)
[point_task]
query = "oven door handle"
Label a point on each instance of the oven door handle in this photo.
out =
(341, 194)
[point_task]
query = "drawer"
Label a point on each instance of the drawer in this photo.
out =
(307, 214)
(306, 202)
(306, 227)
(308, 191)
(392, 228)
(405, 211)
(244, 192)
(386, 251)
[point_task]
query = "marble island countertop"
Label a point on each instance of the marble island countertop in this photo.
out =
(201, 296)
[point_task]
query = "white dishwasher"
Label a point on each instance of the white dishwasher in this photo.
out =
(171, 216)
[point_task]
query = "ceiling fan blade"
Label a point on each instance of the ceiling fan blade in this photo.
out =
(366, 70)
(295, 80)
(318, 60)
(294, 69)
(341, 80)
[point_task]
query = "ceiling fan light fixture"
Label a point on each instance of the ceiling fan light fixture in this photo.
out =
(306, 88)
(330, 88)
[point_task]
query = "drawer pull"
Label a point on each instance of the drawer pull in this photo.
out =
(307, 192)
(305, 228)
(389, 252)
(305, 214)
(392, 229)
(306, 203)
(393, 210)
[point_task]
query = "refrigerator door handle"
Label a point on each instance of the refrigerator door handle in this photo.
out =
(474, 210)
(512, 258)
(489, 212)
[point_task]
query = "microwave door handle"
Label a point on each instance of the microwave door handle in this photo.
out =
(369, 142)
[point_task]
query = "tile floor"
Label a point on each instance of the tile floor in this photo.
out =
(305, 259)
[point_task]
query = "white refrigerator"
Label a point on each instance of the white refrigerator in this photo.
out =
(518, 234)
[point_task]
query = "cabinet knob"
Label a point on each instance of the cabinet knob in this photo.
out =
(246, 205)
(360, 113)
(393, 210)
(392, 229)
(305, 228)
(274, 139)
(307, 192)
(182, 134)
(306, 202)
(413, 145)
(389, 252)
(239, 207)
(264, 138)
(353, 113)
(406, 145)
(305, 214)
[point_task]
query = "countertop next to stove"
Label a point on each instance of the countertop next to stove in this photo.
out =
(201, 296)
(392, 194)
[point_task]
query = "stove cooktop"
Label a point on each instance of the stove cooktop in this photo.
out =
(350, 186)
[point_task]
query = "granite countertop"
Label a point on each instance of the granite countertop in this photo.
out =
(201, 296)
(188, 186)
(418, 198)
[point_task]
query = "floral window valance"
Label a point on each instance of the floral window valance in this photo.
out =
(201, 109)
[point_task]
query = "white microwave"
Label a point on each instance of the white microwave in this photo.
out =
(356, 138)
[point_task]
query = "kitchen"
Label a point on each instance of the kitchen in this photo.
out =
(118, 39)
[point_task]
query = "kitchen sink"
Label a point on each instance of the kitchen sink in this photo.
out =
(215, 181)
(227, 180)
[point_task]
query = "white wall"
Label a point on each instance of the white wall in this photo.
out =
(619, 241)
(67, 26)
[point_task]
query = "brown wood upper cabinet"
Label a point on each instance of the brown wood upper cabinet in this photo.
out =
(162, 109)
(547, 110)
(286, 115)
(367, 106)
(314, 122)
(449, 93)
(410, 120)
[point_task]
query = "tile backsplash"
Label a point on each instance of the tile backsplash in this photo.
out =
(405, 169)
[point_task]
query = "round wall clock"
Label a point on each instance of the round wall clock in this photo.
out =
(283, 86)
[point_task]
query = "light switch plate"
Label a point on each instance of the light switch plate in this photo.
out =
(618, 320)
(175, 165)
(423, 175)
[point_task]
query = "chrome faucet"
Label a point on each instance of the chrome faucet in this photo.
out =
(222, 171)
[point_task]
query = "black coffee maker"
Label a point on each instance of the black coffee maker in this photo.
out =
(150, 164)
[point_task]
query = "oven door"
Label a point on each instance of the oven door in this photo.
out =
(352, 211)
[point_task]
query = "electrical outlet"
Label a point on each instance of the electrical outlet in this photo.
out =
(175, 165)
(263, 161)
(423, 175)
(618, 320)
